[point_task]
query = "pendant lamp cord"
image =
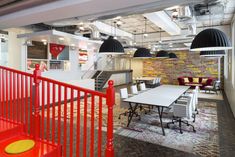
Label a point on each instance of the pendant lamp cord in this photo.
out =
(145, 29)
(142, 40)
(115, 25)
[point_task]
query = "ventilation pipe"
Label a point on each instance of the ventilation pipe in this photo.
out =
(95, 34)
(182, 13)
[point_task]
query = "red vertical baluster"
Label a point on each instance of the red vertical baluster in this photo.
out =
(0, 92)
(10, 111)
(48, 111)
(59, 114)
(65, 120)
(100, 128)
(78, 125)
(85, 126)
(53, 113)
(71, 123)
(43, 109)
(3, 92)
(22, 100)
(18, 98)
(31, 106)
(14, 97)
(110, 100)
(26, 105)
(36, 73)
(92, 126)
(7, 86)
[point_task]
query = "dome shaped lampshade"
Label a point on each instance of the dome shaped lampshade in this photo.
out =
(142, 53)
(162, 54)
(172, 56)
(212, 53)
(111, 46)
(210, 40)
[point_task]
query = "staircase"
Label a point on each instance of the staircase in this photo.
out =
(11, 132)
(101, 78)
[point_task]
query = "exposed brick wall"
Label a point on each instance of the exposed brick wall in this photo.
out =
(187, 64)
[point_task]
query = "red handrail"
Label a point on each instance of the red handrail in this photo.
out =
(52, 111)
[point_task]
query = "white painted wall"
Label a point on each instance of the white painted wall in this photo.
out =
(229, 70)
(15, 45)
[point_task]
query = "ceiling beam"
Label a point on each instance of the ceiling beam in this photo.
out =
(83, 9)
(162, 20)
(110, 30)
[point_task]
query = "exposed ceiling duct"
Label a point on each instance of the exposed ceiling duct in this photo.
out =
(210, 7)
(182, 13)
(192, 28)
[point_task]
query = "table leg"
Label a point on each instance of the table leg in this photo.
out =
(132, 112)
(160, 111)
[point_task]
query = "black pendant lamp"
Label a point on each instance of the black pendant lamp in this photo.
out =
(212, 53)
(111, 46)
(162, 54)
(210, 40)
(142, 53)
(172, 56)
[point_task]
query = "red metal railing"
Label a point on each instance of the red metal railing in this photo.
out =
(58, 113)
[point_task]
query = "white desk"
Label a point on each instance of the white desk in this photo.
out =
(162, 96)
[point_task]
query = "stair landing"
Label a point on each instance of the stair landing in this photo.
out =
(40, 149)
(12, 132)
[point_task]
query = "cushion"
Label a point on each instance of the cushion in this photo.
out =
(186, 80)
(195, 80)
(204, 80)
(20, 146)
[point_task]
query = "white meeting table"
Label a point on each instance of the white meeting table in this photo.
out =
(162, 97)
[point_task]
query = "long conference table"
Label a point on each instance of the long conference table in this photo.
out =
(161, 97)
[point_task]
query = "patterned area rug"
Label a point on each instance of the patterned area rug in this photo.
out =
(204, 142)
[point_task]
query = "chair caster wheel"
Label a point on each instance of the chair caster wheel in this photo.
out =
(119, 117)
(194, 130)
(181, 132)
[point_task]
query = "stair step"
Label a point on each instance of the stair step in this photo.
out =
(9, 129)
(41, 149)
(11, 132)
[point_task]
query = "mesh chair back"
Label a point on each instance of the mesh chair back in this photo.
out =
(123, 95)
(134, 89)
(182, 109)
(142, 87)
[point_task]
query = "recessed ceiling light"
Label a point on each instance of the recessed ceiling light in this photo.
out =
(44, 40)
(61, 38)
(80, 23)
(82, 28)
(119, 22)
(72, 45)
(173, 7)
(118, 17)
(145, 35)
(44, 43)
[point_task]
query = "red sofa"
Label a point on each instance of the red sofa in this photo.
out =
(202, 81)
